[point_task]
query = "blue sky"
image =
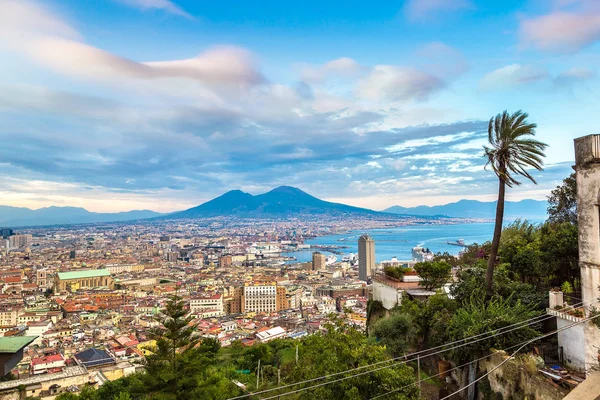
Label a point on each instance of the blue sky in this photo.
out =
(114, 105)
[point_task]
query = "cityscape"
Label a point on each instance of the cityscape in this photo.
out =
(297, 200)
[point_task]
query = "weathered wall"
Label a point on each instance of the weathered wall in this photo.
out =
(389, 296)
(587, 167)
(572, 341)
(518, 379)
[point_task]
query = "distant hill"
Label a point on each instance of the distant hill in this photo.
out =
(281, 201)
(534, 209)
(20, 216)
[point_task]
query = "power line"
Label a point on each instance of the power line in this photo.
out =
(393, 359)
(494, 333)
(519, 349)
(478, 359)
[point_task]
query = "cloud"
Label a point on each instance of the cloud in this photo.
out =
(442, 60)
(52, 43)
(572, 25)
(512, 75)
(393, 83)
(340, 68)
(164, 5)
(574, 76)
(423, 9)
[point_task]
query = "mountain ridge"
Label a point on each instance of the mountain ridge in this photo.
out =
(280, 201)
(55, 215)
(527, 208)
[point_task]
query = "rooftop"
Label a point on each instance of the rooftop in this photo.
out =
(90, 273)
(12, 344)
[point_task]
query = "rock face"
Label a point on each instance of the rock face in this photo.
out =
(517, 379)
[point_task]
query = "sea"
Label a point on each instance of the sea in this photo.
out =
(399, 242)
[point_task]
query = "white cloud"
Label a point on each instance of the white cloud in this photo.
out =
(512, 75)
(165, 5)
(572, 25)
(51, 42)
(393, 83)
(340, 68)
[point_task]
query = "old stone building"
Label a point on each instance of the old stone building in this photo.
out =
(88, 279)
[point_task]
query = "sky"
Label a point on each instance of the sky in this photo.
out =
(114, 105)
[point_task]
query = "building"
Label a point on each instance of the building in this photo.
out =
(581, 343)
(225, 261)
(8, 317)
(41, 275)
(260, 297)
(93, 358)
(20, 241)
(11, 352)
(88, 279)
(6, 232)
(119, 269)
(48, 364)
(366, 257)
(206, 303)
(44, 385)
(318, 261)
(271, 334)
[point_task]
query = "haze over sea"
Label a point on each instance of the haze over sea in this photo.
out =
(399, 242)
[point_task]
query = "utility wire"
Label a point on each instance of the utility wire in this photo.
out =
(497, 332)
(519, 349)
(472, 361)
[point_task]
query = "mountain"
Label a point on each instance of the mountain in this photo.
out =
(532, 209)
(281, 201)
(20, 216)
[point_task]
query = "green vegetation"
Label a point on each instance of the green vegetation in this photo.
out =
(433, 274)
(562, 202)
(395, 272)
(511, 151)
(185, 366)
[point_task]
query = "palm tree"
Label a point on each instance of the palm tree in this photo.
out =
(511, 151)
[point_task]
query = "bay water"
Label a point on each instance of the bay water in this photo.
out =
(399, 242)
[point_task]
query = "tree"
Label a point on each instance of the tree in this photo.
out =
(395, 332)
(560, 253)
(394, 272)
(434, 274)
(479, 316)
(172, 363)
(520, 249)
(511, 151)
(342, 348)
(562, 201)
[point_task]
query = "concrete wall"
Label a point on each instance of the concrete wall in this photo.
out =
(389, 296)
(573, 342)
(587, 167)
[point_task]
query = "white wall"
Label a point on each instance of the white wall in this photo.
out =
(573, 343)
(389, 296)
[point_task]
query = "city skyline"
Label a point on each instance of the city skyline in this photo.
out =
(162, 105)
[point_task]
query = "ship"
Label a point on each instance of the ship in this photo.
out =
(330, 260)
(421, 254)
(350, 258)
(459, 242)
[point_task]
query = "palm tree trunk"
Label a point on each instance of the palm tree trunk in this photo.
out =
(489, 277)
